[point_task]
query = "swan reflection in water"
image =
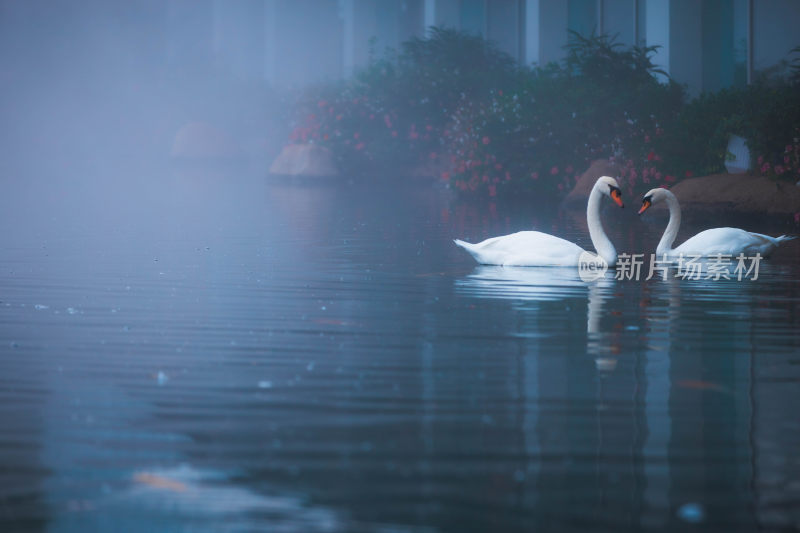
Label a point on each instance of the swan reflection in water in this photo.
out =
(528, 287)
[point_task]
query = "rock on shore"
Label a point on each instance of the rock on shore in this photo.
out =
(741, 193)
(737, 193)
(304, 160)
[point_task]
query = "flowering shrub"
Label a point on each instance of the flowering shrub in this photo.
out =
(788, 165)
(766, 114)
(392, 116)
(363, 132)
(603, 102)
(508, 146)
(494, 128)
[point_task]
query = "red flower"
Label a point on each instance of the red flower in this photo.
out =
(446, 176)
(651, 156)
(492, 190)
(535, 176)
(669, 178)
(486, 140)
(689, 174)
(359, 146)
(554, 171)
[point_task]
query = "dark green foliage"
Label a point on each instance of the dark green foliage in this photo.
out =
(767, 114)
(437, 72)
(603, 101)
(392, 115)
(455, 102)
(794, 65)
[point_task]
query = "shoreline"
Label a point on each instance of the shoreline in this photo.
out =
(731, 193)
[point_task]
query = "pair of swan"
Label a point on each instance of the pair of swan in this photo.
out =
(534, 248)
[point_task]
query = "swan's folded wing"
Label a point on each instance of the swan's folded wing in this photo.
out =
(524, 248)
(728, 241)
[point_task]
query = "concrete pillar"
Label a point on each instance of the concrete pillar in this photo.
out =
(531, 33)
(676, 26)
(686, 43)
(657, 32)
(270, 40)
(238, 37)
(545, 31)
(442, 13)
(617, 17)
(503, 27)
(775, 31)
(347, 14)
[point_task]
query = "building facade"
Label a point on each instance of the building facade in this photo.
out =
(705, 44)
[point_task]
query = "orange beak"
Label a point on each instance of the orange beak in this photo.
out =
(617, 197)
(645, 205)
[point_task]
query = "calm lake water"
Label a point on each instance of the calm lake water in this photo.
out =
(203, 351)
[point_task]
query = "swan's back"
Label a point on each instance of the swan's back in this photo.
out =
(524, 248)
(729, 241)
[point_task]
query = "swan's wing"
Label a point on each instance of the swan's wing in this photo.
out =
(524, 248)
(729, 241)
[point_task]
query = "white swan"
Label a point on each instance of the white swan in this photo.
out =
(711, 242)
(534, 248)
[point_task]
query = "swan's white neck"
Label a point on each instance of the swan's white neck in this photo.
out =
(599, 238)
(665, 244)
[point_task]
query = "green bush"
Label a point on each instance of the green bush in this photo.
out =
(392, 115)
(455, 100)
(602, 101)
(766, 114)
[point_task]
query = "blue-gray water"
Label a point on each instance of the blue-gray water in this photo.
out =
(208, 351)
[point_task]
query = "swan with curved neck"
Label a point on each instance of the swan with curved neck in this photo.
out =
(715, 241)
(534, 248)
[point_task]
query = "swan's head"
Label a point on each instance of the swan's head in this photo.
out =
(609, 187)
(653, 196)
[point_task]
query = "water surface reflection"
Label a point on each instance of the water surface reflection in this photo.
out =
(226, 353)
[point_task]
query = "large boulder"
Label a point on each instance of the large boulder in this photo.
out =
(304, 160)
(579, 195)
(201, 140)
(742, 193)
